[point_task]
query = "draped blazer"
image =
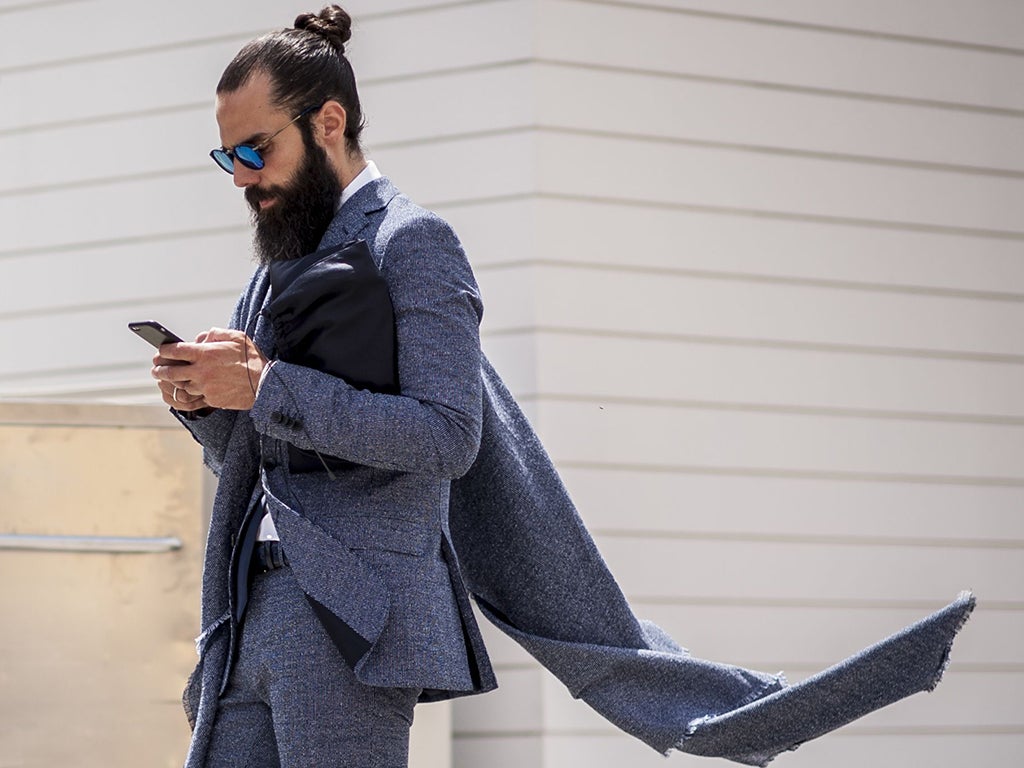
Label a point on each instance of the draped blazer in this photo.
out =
(372, 547)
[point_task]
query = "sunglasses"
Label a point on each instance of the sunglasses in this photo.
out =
(249, 155)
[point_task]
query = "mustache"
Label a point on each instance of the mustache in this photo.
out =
(255, 195)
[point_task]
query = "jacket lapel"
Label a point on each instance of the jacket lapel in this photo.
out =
(355, 214)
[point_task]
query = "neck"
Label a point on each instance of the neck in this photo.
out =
(350, 167)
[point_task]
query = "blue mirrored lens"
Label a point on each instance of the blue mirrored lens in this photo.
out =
(223, 159)
(248, 157)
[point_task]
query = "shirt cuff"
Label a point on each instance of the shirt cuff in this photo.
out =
(263, 376)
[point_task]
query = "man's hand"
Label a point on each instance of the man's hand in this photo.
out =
(221, 369)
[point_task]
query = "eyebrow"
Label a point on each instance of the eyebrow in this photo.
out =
(253, 140)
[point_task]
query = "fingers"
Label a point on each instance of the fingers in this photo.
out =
(180, 398)
(175, 373)
(182, 352)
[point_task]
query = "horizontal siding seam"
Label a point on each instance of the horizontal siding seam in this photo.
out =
(811, 27)
(105, 181)
(760, 343)
(845, 221)
(791, 409)
(846, 604)
(757, 278)
(850, 731)
(33, 5)
(99, 306)
(540, 130)
(113, 242)
(71, 371)
(789, 152)
(788, 87)
(838, 540)
(851, 476)
(105, 118)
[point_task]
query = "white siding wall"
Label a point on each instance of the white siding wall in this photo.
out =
(755, 269)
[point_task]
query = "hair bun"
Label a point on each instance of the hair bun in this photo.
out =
(332, 24)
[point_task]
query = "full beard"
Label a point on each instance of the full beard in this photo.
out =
(294, 225)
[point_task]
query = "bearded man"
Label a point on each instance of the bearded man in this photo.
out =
(349, 608)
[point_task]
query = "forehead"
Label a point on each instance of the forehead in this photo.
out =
(247, 112)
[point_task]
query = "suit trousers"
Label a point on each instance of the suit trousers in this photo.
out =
(292, 702)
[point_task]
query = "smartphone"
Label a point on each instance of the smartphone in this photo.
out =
(153, 332)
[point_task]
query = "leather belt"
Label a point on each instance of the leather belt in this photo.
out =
(268, 556)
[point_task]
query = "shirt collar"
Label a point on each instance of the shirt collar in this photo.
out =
(365, 176)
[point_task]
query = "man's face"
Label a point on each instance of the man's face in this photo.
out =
(294, 196)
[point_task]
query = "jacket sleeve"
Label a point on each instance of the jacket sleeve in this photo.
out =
(211, 431)
(433, 426)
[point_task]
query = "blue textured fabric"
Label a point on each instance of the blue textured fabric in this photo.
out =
(537, 575)
(452, 489)
(310, 710)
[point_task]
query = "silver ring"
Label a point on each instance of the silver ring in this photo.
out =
(174, 396)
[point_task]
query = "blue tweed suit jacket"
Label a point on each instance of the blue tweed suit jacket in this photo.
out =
(373, 545)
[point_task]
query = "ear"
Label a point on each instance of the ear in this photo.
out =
(332, 121)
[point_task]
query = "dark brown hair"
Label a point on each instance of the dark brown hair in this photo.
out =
(307, 67)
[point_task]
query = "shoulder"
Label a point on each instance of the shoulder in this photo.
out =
(409, 235)
(404, 220)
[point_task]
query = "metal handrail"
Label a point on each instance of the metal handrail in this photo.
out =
(110, 544)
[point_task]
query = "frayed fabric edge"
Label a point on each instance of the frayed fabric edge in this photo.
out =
(777, 683)
(964, 598)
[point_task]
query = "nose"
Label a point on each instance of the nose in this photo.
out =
(245, 177)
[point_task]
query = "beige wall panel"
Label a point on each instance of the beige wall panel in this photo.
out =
(729, 113)
(131, 274)
(811, 638)
(595, 367)
(779, 442)
(972, 22)
(619, 301)
(787, 571)
(626, 234)
(808, 508)
(735, 179)
(660, 41)
(94, 673)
